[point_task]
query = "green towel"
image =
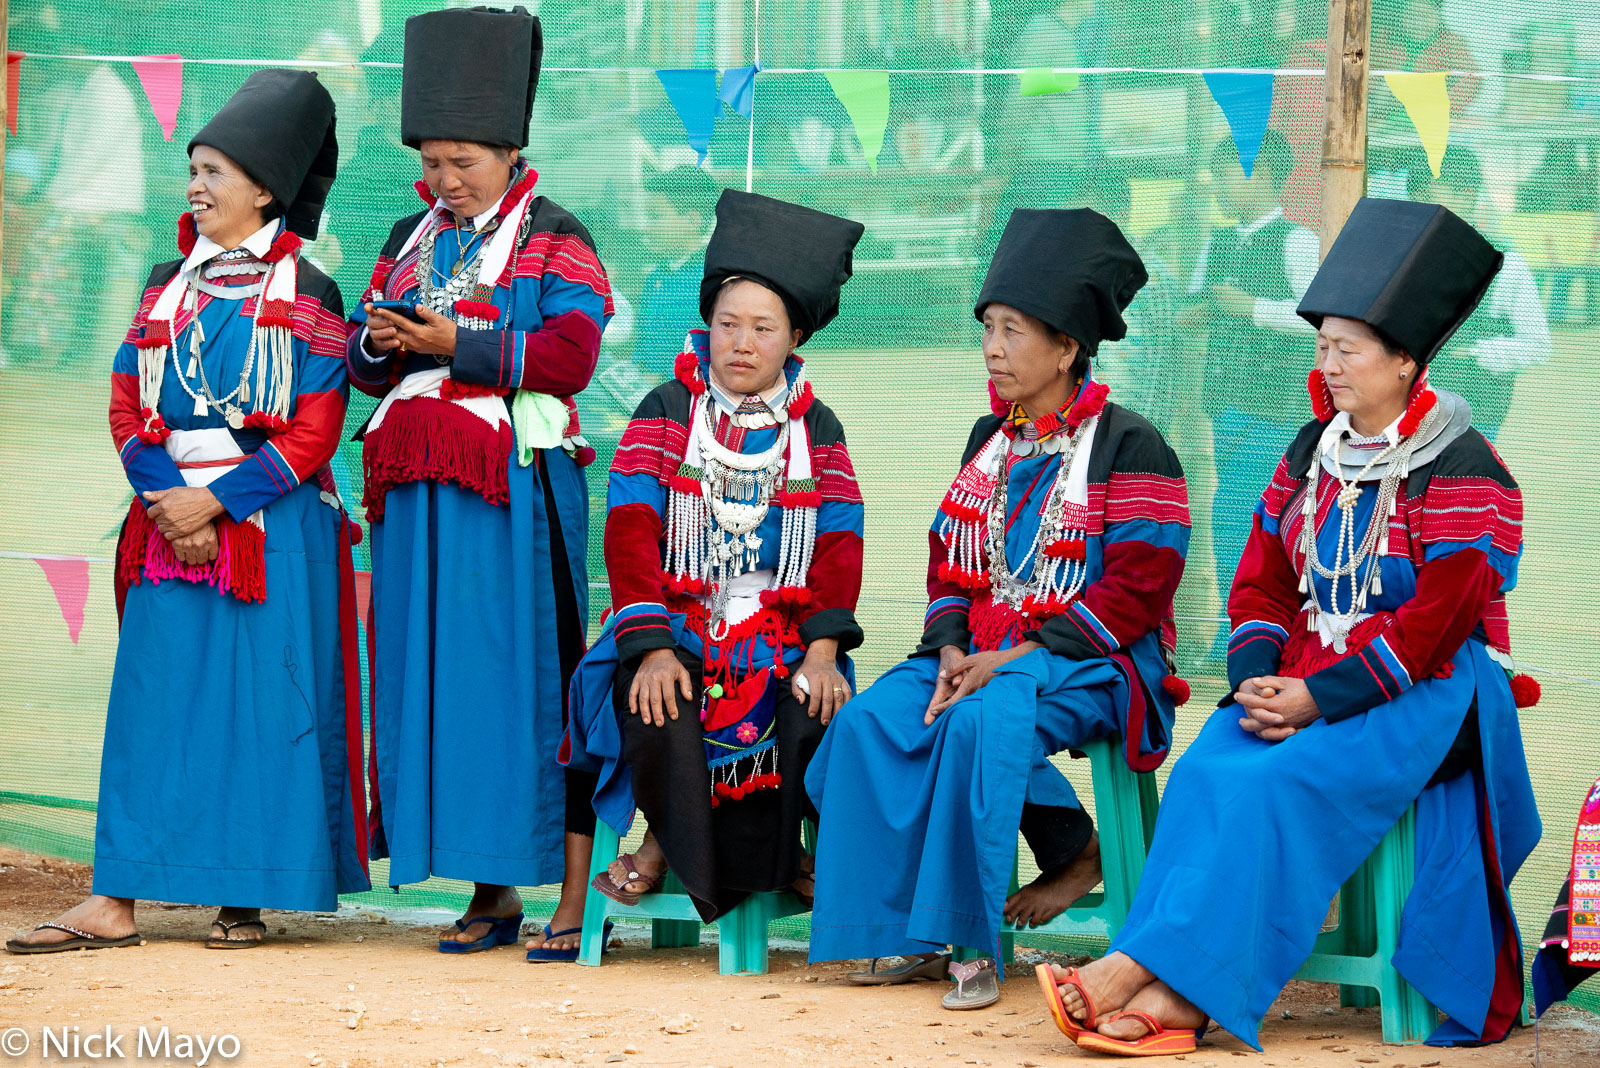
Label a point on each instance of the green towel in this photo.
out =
(538, 421)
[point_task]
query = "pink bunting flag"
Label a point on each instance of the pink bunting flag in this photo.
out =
(13, 80)
(363, 594)
(69, 579)
(162, 78)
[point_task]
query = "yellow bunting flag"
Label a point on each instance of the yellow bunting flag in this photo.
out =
(1427, 101)
(1041, 81)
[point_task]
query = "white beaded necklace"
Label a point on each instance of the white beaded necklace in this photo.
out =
(1049, 576)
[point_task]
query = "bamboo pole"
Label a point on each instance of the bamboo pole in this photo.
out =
(1344, 132)
(5, 105)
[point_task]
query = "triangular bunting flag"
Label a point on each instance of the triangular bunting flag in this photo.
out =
(13, 77)
(1245, 98)
(363, 595)
(162, 78)
(69, 580)
(694, 96)
(1041, 81)
(1427, 100)
(865, 96)
(739, 89)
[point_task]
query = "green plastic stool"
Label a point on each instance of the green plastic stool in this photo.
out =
(1356, 954)
(674, 923)
(1125, 805)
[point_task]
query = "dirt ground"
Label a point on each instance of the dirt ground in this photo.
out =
(364, 990)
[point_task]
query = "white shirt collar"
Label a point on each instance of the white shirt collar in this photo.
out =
(1271, 216)
(258, 243)
(771, 397)
(1340, 426)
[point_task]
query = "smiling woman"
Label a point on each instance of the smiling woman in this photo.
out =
(475, 490)
(228, 397)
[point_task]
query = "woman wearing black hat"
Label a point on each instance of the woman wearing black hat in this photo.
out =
(1369, 663)
(232, 763)
(1054, 559)
(733, 547)
(475, 490)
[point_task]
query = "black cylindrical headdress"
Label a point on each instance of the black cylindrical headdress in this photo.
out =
(1413, 272)
(1070, 268)
(469, 75)
(801, 254)
(279, 127)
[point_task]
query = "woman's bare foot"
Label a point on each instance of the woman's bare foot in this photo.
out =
(1169, 1008)
(805, 884)
(1112, 981)
(648, 860)
(569, 910)
(1049, 896)
(107, 917)
(249, 933)
(488, 899)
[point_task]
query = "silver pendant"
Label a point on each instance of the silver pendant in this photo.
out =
(235, 418)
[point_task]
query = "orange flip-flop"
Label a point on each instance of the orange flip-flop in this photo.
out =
(1160, 1042)
(1058, 1008)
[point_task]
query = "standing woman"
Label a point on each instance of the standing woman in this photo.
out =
(1053, 563)
(475, 490)
(733, 546)
(232, 763)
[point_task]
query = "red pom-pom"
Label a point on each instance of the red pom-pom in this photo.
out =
(1091, 404)
(769, 598)
(801, 404)
(1419, 407)
(777, 780)
(584, 456)
(285, 244)
(425, 193)
(146, 413)
(356, 533)
(780, 670)
(187, 232)
(1525, 690)
(737, 793)
(1067, 549)
(1177, 689)
(722, 789)
(477, 309)
(522, 188)
(275, 313)
(686, 369)
(1321, 398)
(996, 405)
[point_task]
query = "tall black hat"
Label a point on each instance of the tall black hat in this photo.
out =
(1070, 268)
(801, 254)
(279, 127)
(469, 75)
(1413, 272)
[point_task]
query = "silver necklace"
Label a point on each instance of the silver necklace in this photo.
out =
(1008, 586)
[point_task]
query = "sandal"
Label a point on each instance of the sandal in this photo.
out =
(80, 940)
(913, 969)
(543, 955)
(977, 985)
(228, 942)
(602, 881)
(1160, 1042)
(503, 930)
(1058, 1008)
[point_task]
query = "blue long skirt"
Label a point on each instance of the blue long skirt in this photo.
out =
(468, 685)
(1255, 838)
(918, 828)
(225, 776)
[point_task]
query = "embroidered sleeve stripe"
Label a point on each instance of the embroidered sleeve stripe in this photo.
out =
(841, 517)
(1146, 496)
(564, 255)
(1263, 626)
(1094, 630)
(276, 467)
(956, 607)
(142, 316)
(1384, 652)
(1173, 536)
(326, 332)
(836, 476)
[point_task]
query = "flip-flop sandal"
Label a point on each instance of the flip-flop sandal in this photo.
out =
(541, 955)
(79, 940)
(1058, 1008)
(602, 882)
(1160, 1042)
(913, 969)
(977, 985)
(229, 942)
(503, 931)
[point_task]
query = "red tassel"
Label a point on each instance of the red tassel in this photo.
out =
(1067, 549)
(1419, 407)
(286, 244)
(686, 369)
(434, 440)
(1177, 689)
(157, 334)
(801, 404)
(1525, 690)
(798, 499)
(996, 405)
(187, 233)
(1321, 397)
(276, 312)
(427, 195)
(684, 484)
(962, 513)
(239, 569)
(477, 309)
(972, 580)
(272, 424)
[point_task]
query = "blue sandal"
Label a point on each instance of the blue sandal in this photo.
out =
(503, 931)
(541, 955)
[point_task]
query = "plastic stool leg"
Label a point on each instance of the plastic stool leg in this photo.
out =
(742, 935)
(1407, 1016)
(592, 941)
(1358, 930)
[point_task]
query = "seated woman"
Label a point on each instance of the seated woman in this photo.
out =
(231, 771)
(1369, 634)
(1054, 560)
(1569, 953)
(733, 547)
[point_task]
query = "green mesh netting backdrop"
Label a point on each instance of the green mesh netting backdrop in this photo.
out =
(92, 190)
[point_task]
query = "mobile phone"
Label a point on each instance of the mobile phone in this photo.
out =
(408, 308)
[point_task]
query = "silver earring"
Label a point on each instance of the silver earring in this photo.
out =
(1404, 373)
